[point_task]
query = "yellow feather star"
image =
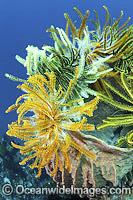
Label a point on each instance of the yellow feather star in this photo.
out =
(125, 119)
(46, 133)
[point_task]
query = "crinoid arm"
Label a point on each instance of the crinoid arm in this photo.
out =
(53, 113)
(124, 119)
(46, 134)
(128, 139)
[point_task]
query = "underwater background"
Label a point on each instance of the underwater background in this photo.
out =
(24, 22)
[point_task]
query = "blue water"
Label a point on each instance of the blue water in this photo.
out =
(24, 22)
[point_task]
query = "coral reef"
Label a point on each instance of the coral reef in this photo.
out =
(59, 89)
(110, 166)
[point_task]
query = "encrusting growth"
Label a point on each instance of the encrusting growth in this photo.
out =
(46, 132)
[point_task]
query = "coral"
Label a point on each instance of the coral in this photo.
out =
(110, 166)
(46, 133)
